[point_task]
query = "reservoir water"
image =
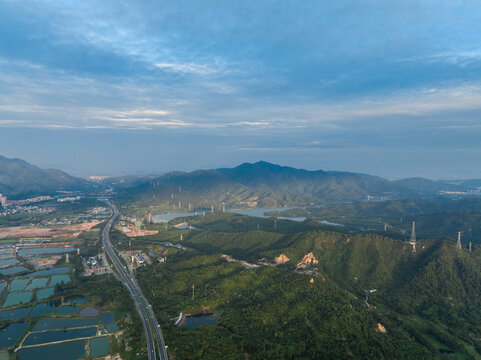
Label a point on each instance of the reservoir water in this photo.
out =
(256, 212)
(193, 322)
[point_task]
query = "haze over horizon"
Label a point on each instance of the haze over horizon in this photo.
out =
(121, 88)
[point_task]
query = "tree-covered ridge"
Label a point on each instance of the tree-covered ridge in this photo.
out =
(426, 300)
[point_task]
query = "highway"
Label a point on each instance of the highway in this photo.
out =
(151, 326)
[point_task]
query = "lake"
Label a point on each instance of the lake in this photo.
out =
(66, 351)
(193, 322)
(256, 212)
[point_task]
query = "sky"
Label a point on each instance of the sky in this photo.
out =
(390, 88)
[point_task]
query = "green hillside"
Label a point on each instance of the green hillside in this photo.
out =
(19, 179)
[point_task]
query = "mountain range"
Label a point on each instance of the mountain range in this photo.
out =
(257, 184)
(20, 179)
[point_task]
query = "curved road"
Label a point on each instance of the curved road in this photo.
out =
(152, 328)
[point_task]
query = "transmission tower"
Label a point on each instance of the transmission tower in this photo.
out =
(412, 240)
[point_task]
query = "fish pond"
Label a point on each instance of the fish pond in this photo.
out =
(17, 298)
(75, 299)
(59, 270)
(99, 346)
(58, 279)
(73, 350)
(14, 314)
(38, 251)
(44, 308)
(13, 270)
(10, 333)
(68, 309)
(19, 284)
(59, 335)
(37, 283)
(45, 293)
(63, 323)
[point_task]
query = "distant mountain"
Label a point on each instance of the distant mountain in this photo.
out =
(18, 179)
(430, 187)
(261, 184)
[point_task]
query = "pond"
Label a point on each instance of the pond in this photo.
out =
(63, 323)
(37, 283)
(68, 309)
(193, 322)
(59, 270)
(14, 314)
(75, 299)
(38, 251)
(2, 285)
(58, 335)
(10, 333)
(58, 279)
(17, 298)
(19, 284)
(8, 262)
(13, 270)
(112, 327)
(99, 346)
(44, 308)
(106, 318)
(45, 293)
(73, 350)
(88, 312)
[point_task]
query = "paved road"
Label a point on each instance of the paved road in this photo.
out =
(152, 329)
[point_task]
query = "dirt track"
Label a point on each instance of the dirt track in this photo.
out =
(16, 232)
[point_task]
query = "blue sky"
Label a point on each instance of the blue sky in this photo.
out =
(391, 88)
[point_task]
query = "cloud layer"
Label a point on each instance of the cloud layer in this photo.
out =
(277, 77)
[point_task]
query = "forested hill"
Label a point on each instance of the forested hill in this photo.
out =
(261, 184)
(426, 301)
(18, 178)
